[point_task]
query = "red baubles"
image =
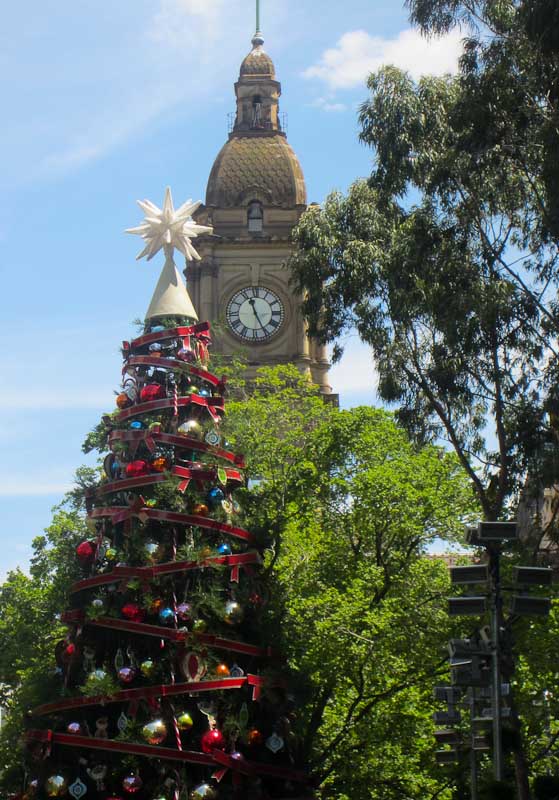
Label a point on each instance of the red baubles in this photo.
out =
(135, 469)
(133, 612)
(212, 740)
(153, 391)
(86, 553)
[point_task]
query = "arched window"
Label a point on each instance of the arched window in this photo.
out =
(255, 216)
(256, 111)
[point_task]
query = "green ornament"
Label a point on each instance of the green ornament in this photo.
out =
(184, 721)
(147, 668)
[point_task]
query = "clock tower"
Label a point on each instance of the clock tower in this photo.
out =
(255, 196)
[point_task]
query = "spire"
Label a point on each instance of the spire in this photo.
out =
(257, 40)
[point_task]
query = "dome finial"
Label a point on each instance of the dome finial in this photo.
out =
(257, 40)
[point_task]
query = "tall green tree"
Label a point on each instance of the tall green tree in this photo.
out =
(432, 261)
(354, 505)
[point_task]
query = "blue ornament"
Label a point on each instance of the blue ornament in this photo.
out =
(167, 616)
(157, 328)
(137, 425)
(224, 549)
(115, 469)
(204, 393)
(215, 496)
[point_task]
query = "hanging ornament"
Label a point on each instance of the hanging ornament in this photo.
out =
(201, 509)
(119, 661)
(222, 670)
(156, 606)
(152, 391)
(101, 728)
(212, 740)
(167, 616)
(227, 506)
(74, 728)
(69, 652)
(147, 668)
(122, 722)
(275, 743)
(123, 401)
(88, 659)
(111, 554)
(184, 612)
(160, 464)
(204, 791)
(187, 354)
(157, 328)
(133, 612)
(155, 347)
(137, 425)
(192, 667)
(215, 496)
(126, 674)
(212, 438)
(191, 428)
(98, 773)
(86, 553)
(224, 549)
(233, 613)
(204, 393)
(98, 605)
(237, 672)
(132, 784)
(255, 737)
(78, 789)
(152, 549)
(136, 469)
(199, 625)
(56, 786)
(184, 721)
(192, 390)
(155, 732)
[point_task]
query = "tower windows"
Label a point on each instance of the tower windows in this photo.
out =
(256, 111)
(255, 216)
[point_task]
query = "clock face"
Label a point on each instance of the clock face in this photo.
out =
(255, 314)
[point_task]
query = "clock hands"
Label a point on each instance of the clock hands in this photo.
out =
(252, 303)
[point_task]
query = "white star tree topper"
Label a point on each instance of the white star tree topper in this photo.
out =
(169, 228)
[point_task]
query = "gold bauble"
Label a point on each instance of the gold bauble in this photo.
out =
(155, 732)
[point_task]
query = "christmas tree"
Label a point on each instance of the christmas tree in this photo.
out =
(169, 685)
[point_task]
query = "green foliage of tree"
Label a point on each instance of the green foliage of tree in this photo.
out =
(438, 264)
(353, 505)
(30, 628)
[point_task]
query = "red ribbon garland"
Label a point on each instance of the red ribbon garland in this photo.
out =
(187, 473)
(201, 328)
(212, 404)
(174, 364)
(148, 573)
(163, 690)
(159, 632)
(178, 518)
(152, 437)
(216, 757)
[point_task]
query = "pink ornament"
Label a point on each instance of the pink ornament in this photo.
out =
(184, 612)
(74, 728)
(126, 674)
(132, 784)
(212, 740)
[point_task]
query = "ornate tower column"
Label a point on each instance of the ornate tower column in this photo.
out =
(255, 196)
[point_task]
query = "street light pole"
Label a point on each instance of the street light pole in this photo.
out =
(496, 602)
(473, 756)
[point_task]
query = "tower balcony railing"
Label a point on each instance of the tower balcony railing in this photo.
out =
(259, 125)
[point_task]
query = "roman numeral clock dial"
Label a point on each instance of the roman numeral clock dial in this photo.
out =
(255, 314)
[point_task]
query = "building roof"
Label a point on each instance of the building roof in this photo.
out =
(258, 63)
(261, 168)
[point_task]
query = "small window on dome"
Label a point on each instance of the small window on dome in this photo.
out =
(255, 217)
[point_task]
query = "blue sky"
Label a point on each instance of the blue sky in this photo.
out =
(104, 104)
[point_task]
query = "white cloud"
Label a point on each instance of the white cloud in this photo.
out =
(325, 104)
(357, 54)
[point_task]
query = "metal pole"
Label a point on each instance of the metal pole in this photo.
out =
(257, 16)
(473, 758)
(494, 556)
